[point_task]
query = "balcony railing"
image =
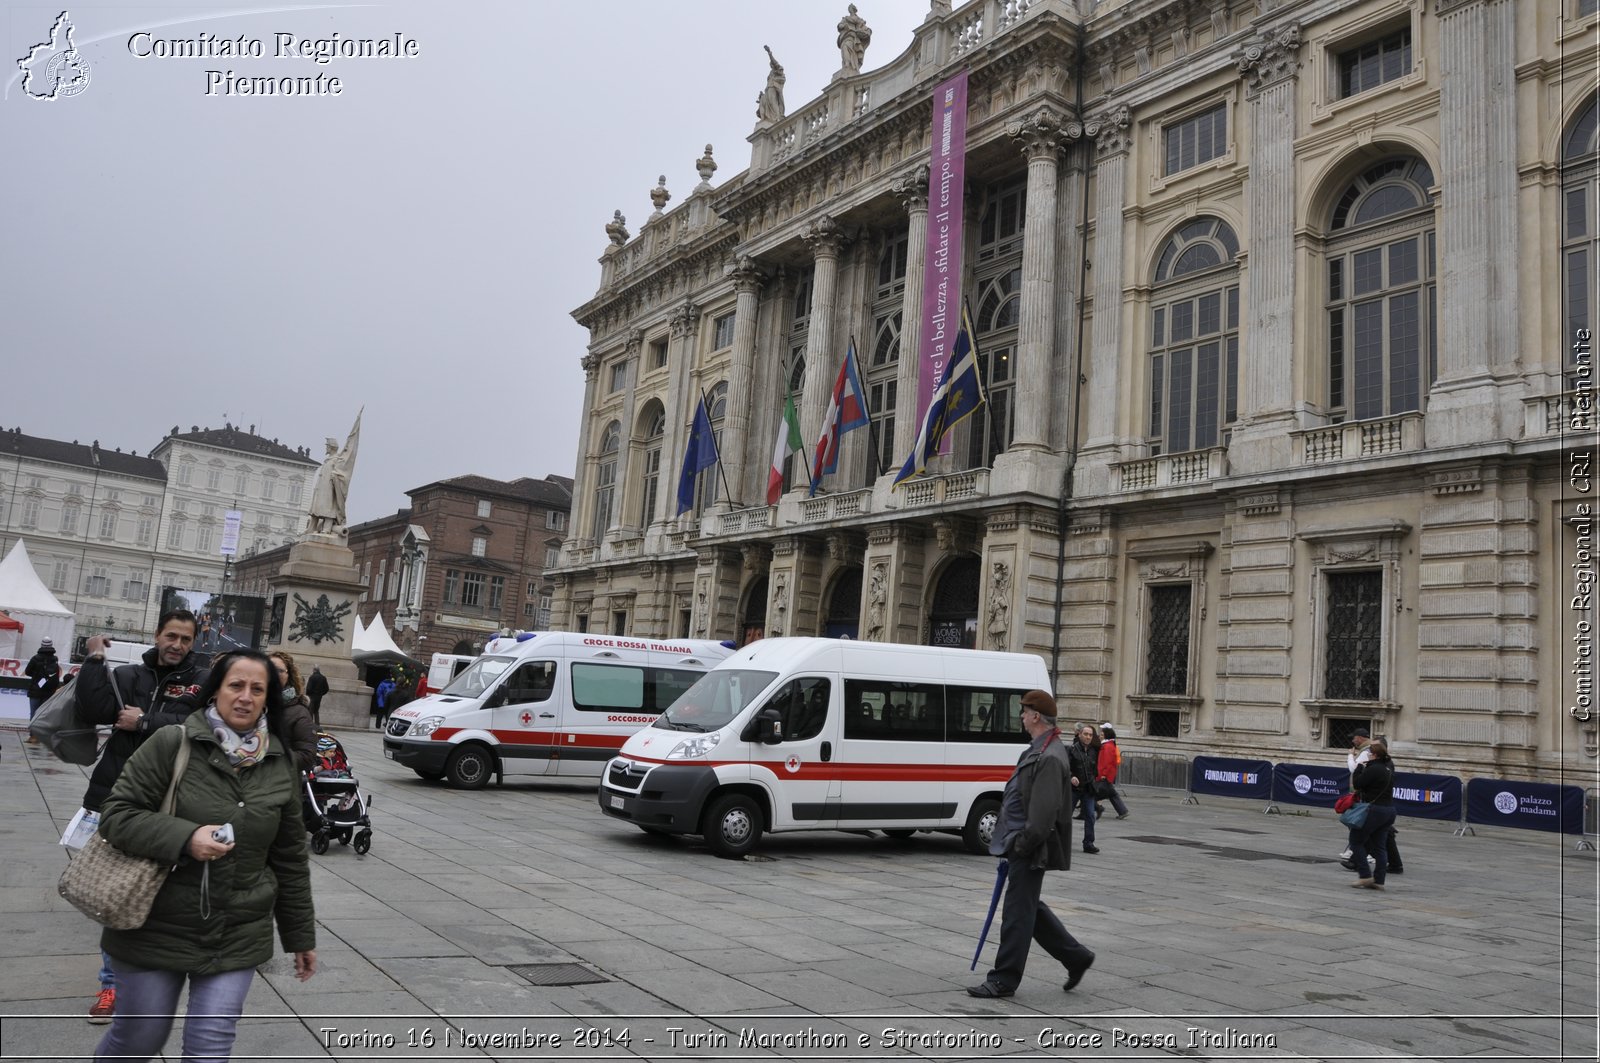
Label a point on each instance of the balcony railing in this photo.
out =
(938, 490)
(1359, 439)
(738, 521)
(1552, 415)
(1172, 470)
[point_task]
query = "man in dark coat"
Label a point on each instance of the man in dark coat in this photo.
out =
(1034, 834)
(134, 701)
(316, 690)
(44, 678)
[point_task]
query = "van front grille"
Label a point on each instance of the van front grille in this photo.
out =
(620, 777)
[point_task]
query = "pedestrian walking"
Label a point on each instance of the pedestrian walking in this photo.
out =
(44, 678)
(1108, 762)
(1374, 784)
(1034, 835)
(1084, 759)
(316, 690)
(1360, 751)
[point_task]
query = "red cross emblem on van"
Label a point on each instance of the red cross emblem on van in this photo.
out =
(526, 718)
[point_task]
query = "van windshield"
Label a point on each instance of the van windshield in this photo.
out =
(479, 676)
(715, 699)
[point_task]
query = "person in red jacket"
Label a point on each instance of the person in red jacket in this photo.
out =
(1105, 782)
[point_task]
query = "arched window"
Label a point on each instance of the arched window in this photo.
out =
(999, 306)
(1194, 338)
(650, 465)
(1580, 234)
(953, 613)
(709, 487)
(1381, 293)
(605, 482)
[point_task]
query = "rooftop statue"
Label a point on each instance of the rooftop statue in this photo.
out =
(854, 36)
(769, 105)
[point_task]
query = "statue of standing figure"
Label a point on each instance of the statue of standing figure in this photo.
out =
(769, 105)
(328, 498)
(854, 36)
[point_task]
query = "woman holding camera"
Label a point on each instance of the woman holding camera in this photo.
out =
(239, 848)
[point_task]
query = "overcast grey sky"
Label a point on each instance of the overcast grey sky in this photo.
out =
(415, 244)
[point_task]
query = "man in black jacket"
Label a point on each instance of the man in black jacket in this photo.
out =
(1034, 834)
(134, 701)
(44, 677)
(316, 690)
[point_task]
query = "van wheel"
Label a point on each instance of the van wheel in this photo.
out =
(469, 768)
(900, 834)
(431, 776)
(981, 824)
(732, 825)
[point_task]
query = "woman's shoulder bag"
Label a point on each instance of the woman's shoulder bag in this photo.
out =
(111, 887)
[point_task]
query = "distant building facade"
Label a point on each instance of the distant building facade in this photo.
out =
(464, 562)
(1283, 313)
(106, 529)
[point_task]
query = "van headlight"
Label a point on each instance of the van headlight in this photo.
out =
(426, 726)
(698, 746)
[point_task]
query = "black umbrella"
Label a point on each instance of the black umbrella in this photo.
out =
(999, 882)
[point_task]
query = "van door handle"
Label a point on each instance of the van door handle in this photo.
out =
(827, 751)
(547, 716)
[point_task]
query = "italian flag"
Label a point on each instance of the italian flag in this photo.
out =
(789, 442)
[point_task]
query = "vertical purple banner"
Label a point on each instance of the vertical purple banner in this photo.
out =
(941, 268)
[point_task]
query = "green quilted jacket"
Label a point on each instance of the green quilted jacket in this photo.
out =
(222, 922)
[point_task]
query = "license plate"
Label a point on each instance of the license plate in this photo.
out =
(616, 802)
(389, 754)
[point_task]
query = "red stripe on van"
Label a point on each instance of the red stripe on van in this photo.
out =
(865, 772)
(541, 738)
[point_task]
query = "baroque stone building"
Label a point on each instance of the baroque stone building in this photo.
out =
(1282, 309)
(107, 529)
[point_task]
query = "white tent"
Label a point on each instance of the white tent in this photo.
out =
(10, 638)
(374, 638)
(25, 598)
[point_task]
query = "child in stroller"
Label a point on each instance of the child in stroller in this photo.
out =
(334, 806)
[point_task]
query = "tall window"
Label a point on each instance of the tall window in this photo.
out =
(883, 352)
(472, 588)
(58, 576)
(709, 488)
(722, 332)
(1381, 294)
(214, 476)
(108, 524)
(69, 517)
(1167, 646)
(175, 534)
(1353, 652)
(30, 512)
(480, 546)
(605, 484)
(269, 484)
(98, 585)
(186, 472)
(297, 489)
(989, 428)
(1194, 338)
(1374, 63)
(1197, 139)
(1580, 230)
(241, 480)
(146, 531)
(658, 353)
(552, 558)
(485, 507)
(497, 592)
(649, 470)
(202, 538)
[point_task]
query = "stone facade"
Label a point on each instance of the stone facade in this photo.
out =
(1282, 311)
(107, 529)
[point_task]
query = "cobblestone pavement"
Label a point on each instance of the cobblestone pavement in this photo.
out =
(1221, 933)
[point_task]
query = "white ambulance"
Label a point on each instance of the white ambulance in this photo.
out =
(827, 734)
(545, 703)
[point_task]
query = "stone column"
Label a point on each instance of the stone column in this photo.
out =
(826, 239)
(1269, 66)
(582, 504)
(1040, 135)
(1113, 136)
(1478, 252)
(913, 193)
(747, 281)
(681, 401)
(628, 453)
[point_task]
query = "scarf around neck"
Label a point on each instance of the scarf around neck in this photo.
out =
(243, 750)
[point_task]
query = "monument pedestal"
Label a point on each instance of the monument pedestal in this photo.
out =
(323, 586)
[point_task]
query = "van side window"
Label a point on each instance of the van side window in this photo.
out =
(533, 681)
(984, 714)
(608, 687)
(900, 712)
(804, 705)
(667, 684)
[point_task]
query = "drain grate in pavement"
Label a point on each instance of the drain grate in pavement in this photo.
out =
(1228, 852)
(556, 973)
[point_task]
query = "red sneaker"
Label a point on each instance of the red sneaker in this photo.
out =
(104, 1005)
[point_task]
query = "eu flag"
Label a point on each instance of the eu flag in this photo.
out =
(958, 394)
(700, 455)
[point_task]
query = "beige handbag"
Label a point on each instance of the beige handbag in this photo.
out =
(111, 887)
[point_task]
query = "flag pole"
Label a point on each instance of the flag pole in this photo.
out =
(983, 385)
(872, 434)
(722, 471)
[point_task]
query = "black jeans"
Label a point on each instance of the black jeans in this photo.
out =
(1373, 837)
(1024, 919)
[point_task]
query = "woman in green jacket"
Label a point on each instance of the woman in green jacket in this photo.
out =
(211, 925)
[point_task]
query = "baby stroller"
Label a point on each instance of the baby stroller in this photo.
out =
(334, 806)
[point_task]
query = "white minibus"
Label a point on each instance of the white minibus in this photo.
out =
(544, 703)
(829, 734)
